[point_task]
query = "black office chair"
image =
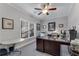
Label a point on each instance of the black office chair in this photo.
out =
(3, 52)
(12, 50)
(73, 34)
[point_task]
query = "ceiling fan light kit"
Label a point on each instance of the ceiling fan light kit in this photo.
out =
(45, 9)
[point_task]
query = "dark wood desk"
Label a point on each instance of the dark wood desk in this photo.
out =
(49, 45)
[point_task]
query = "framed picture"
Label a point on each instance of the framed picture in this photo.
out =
(51, 26)
(7, 23)
(44, 26)
(24, 29)
(38, 27)
(61, 25)
(31, 30)
(24, 34)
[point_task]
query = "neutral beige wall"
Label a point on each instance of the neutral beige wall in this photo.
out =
(59, 20)
(13, 13)
(73, 19)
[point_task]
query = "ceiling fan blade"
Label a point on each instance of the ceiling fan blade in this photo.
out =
(37, 8)
(39, 13)
(52, 9)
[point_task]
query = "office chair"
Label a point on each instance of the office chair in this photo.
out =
(3, 52)
(13, 50)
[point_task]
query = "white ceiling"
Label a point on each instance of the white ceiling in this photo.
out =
(63, 9)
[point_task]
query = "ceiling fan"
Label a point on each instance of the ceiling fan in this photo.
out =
(45, 8)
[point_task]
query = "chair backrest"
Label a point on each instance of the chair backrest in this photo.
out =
(11, 49)
(73, 34)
